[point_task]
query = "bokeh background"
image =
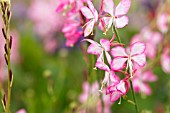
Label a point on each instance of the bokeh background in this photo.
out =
(48, 75)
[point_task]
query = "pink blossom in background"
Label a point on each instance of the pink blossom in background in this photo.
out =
(117, 15)
(21, 111)
(91, 91)
(165, 60)
(141, 79)
(45, 18)
(46, 22)
(50, 44)
(92, 15)
(162, 22)
(150, 38)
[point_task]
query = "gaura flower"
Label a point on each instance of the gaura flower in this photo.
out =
(91, 14)
(136, 55)
(116, 15)
(141, 79)
(117, 89)
(99, 50)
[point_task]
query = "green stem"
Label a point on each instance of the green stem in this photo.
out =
(117, 34)
(133, 94)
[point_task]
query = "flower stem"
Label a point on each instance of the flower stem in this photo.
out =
(133, 94)
(117, 34)
(6, 16)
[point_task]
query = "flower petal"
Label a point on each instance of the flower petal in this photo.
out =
(121, 87)
(137, 48)
(105, 44)
(89, 28)
(106, 23)
(94, 49)
(108, 6)
(123, 7)
(118, 52)
(86, 12)
(121, 22)
(100, 63)
(93, 10)
(140, 59)
(91, 41)
(108, 57)
(118, 63)
(115, 96)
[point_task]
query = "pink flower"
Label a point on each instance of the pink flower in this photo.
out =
(140, 81)
(162, 22)
(165, 60)
(90, 13)
(117, 15)
(71, 29)
(151, 38)
(116, 90)
(99, 50)
(136, 55)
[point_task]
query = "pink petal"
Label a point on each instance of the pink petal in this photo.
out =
(108, 57)
(137, 48)
(92, 42)
(94, 49)
(115, 96)
(114, 79)
(86, 12)
(93, 10)
(100, 63)
(140, 59)
(149, 76)
(89, 27)
(162, 22)
(105, 44)
(118, 63)
(156, 38)
(108, 6)
(141, 87)
(106, 23)
(123, 7)
(106, 77)
(165, 61)
(121, 87)
(121, 22)
(118, 52)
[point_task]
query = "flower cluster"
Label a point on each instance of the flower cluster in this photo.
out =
(112, 56)
(118, 58)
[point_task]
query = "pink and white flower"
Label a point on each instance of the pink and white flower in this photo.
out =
(140, 81)
(136, 55)
(91, 14)
(117, 89)
(99, 50)
(116, 15)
